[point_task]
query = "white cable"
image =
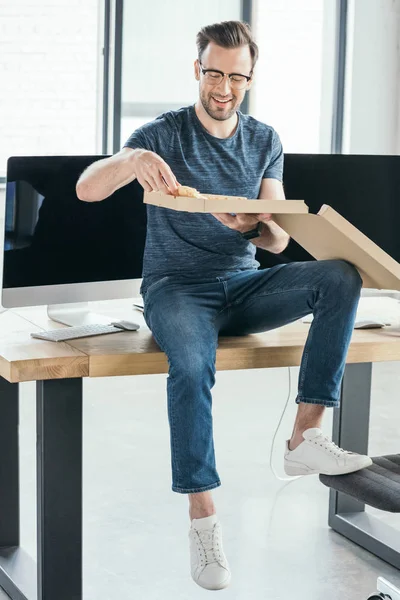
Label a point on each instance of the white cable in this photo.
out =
(276, 432)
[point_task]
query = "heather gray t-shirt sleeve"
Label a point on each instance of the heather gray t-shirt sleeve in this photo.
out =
(139, 139)
(274, 169)
(158, 136)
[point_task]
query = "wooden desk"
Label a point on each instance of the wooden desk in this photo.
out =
(58, 369)
(23, 358)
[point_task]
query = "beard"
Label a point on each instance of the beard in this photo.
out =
(216, 112)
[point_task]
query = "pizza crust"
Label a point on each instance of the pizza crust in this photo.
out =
(189, 192)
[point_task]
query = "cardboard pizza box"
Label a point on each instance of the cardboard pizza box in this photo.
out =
(214, 203)
(328, 235)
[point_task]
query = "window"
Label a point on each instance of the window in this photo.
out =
(49, 70)
(293, 89)
(159, 49)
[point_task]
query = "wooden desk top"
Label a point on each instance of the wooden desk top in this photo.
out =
(23, 358)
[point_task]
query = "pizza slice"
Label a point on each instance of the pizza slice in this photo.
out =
(188, 192)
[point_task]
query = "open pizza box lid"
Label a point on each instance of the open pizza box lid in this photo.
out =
(328, 235)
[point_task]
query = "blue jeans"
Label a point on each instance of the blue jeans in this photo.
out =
(186, 314)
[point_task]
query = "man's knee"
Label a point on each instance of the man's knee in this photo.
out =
(341, 274)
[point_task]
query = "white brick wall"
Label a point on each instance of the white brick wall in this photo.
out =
(48, 77)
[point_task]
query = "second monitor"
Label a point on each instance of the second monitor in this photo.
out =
(59, 250)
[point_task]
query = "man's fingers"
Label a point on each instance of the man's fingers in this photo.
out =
(169, 191)
(248, 218)
(152, 182)
(264, 217)
(161, 185)
(168, 176)
(144, 184)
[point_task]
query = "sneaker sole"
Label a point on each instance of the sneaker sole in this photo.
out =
(222, 585)
(294, 470)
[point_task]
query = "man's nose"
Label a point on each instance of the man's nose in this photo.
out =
(224, 88)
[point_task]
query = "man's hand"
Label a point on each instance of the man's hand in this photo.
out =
(153, 173)
(242, 222)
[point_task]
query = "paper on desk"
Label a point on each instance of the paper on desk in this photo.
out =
(373, 308)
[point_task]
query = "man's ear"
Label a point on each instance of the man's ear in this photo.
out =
(197, 69)
(250, 83)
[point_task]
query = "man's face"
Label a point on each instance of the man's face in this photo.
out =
(222, 100)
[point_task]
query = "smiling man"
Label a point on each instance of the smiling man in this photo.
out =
(201, 279)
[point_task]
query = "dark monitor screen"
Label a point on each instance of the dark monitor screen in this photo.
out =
(52, 237)
(364, 189)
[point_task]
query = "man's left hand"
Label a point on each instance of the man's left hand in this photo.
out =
(242, 222)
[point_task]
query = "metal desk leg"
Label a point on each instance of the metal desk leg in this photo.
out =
(17, 569)
(9, 464)
(58, 572)
(59, 489)
(347, 515)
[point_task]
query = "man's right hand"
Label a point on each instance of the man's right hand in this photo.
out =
(153, 173)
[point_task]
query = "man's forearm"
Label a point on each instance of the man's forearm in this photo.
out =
(272, 238)
(102, 178)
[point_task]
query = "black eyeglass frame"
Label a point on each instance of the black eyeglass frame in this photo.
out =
(229, 75)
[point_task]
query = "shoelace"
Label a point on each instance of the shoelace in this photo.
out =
(330, 446)
(210, 551)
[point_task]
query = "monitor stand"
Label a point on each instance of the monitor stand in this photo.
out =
(76, 314)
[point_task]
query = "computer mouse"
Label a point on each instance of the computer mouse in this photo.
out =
(365, 324)
(127, 325)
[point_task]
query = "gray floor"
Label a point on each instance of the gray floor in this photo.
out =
(275, 534)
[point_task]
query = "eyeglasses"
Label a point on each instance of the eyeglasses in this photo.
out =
(214, 77)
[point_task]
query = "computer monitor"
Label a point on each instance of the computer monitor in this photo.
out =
(365, 189)
(63, 252)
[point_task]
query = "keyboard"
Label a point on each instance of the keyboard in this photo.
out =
(73, 333)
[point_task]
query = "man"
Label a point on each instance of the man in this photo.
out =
(200, 278)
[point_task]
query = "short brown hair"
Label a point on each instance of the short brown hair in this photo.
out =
(228, 34)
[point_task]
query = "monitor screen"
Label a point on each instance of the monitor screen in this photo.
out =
(364, 189)
(53, 238)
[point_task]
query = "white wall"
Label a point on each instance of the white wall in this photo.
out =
(372, 123)
(48, 73)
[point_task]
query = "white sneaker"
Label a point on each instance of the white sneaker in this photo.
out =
(209, 567)
(318, 454)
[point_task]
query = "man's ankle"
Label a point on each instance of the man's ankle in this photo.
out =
(201, 513)
(295, 441)
(201, 505)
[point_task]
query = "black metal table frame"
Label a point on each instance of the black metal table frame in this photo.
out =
(57, 574)
(347, 515)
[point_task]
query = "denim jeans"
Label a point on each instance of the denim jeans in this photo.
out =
(186, 314)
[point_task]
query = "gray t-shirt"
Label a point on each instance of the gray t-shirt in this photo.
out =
(198, 244)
